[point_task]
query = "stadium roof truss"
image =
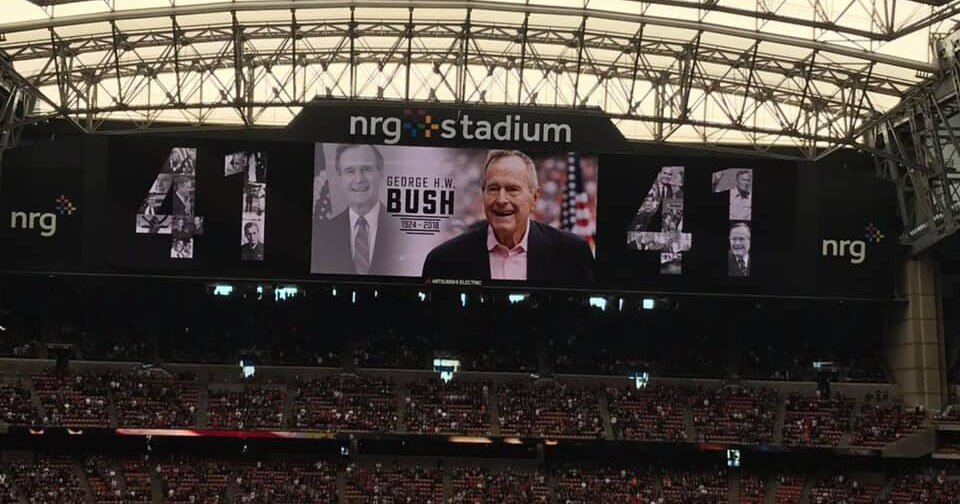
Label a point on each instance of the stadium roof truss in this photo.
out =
(714, 72)
(793, 78)
(917, 145)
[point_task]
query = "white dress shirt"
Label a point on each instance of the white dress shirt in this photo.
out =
(741, 208)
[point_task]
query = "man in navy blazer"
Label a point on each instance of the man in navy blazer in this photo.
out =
(183, 195)
(510, 245)
(738, 258)
(362, 239)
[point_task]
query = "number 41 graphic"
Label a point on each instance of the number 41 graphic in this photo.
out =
(178, 174)
(666, 196)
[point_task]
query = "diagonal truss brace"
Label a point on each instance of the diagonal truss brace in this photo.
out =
(917, 146)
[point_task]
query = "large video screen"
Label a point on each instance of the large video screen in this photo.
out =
(665, 199)
(520, 216)
(454, 215)
(702, 224)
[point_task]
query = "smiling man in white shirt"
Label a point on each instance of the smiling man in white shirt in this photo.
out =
(741, 197)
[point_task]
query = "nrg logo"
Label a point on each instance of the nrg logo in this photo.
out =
(420, 124)
(46, 222)
(856, 250)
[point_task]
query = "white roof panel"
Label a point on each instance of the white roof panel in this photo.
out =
(790, 31)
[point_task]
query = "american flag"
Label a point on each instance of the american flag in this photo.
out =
(575, 214)
(322, 207)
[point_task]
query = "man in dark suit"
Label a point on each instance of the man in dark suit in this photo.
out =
(361, 240)
(738, 258)
(509, 245)
(252, 250)
(183, 195)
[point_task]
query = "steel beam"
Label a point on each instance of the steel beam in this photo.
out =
(808, 101)
(918, 147)
(819, 20)
(577, 12)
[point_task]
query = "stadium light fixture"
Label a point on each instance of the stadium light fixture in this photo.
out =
(516, 298)
(640, 379)
(598, 302)
(446, 368)
(733, 458)
(248, 368)
(284, 293)
(648, 303)
(470, 440)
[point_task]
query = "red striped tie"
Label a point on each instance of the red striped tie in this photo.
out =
(361, 247)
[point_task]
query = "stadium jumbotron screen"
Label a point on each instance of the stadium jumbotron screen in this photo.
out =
(368, 205)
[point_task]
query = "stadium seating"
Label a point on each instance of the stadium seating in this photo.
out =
(77, 400)
(345, 403)
(384, 485)
(586, 486)
(458, 407)
(48, 480)
(16, 405)
(475, 485)
(104, 480)
(753, 488)
(136, 478)
(939, 488)
(288, 483)
(789, 488)
(706, 486)
(843, 488)
(253, 407)
(880, 422)
(7, 493)
(548, 408)
(556, 407)
(294, 479)
(654, 413)
(193, 481)
(815, 420)
(735, 414)
(156, 402)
